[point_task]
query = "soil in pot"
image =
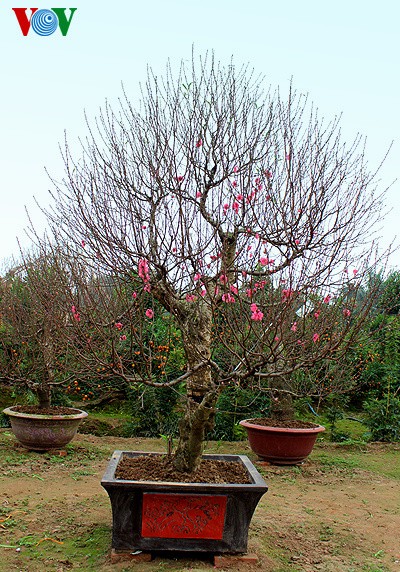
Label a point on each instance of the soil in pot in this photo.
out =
(282, 423)
(53, 410)
(161, 469)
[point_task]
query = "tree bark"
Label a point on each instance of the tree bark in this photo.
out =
(281, 401)
(201, 393)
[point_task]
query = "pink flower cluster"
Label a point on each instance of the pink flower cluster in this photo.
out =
(256, 314)
(143, 270)
(228, 298)
(76, 314)
(287, 293)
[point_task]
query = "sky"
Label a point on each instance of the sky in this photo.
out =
(344, 54)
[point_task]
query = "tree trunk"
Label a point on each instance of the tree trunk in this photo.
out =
(44, 390)
(201, 394)
(282, 401)
(43, 394)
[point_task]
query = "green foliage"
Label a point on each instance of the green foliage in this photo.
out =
(334, 411)
(153, 411)
(235, 404)
(389, 302)
(383, 418)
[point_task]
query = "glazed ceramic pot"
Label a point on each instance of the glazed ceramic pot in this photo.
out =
(281, 445)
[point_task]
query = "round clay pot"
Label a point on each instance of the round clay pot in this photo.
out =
(44, 432)
(281, 446)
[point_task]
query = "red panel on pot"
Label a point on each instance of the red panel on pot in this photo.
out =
(183, 516)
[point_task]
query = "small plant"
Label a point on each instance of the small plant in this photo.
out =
(334, 412)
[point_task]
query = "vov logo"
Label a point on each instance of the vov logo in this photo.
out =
(44, 22)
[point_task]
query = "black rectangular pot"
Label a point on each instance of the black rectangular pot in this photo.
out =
(193, 517)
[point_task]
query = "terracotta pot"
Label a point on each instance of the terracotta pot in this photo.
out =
(44, 432)
(281, 446)
(191, 517)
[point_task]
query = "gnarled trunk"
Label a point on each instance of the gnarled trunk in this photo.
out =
(201, 393)
(282, 400)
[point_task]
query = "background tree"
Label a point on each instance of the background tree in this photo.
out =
(241, 212)
(35, 350)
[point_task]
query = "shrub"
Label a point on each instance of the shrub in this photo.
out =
(383, 418)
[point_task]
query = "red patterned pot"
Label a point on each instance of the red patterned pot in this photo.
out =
(182, 517)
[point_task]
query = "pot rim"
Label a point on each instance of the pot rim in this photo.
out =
(258, 483)
(249, 425)
(80, 414)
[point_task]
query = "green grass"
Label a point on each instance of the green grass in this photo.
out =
(349, 456)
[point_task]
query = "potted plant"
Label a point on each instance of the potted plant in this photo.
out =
(218, 217)
(34, 348)
(281, 442)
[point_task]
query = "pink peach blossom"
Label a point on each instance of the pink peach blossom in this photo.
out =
(149, 313)
(228, 298)
(257, 316)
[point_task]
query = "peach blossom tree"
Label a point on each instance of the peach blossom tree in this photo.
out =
(234, 213)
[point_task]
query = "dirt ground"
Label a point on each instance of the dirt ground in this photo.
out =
(339, 511)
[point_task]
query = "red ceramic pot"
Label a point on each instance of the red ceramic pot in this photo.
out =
(281, 445)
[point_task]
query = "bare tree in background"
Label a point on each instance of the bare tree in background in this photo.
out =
(35, 350)
(245, 217)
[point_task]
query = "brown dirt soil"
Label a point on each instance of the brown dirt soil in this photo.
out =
(145, 468)
(283, 423)
(54, 410)
(328, 515)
